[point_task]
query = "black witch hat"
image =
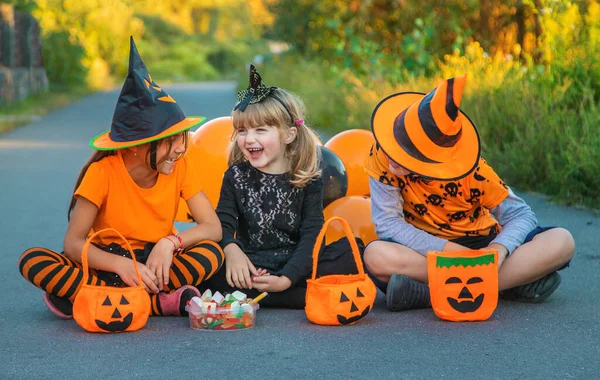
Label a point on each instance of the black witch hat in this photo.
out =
(144, 111)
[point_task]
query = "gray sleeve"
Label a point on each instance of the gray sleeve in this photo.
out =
(517, 220)
(386, 211)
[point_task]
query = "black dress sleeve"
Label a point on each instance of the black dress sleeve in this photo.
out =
(300, 264)
(228, 213)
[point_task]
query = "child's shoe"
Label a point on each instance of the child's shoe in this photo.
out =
(61, 307)
(404, 293)
(174, 303)
(533, 292)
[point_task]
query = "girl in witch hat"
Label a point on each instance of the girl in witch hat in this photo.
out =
(431, 191)
(133, 183)
(271, 203)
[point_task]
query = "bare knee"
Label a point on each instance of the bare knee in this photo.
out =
(375, 258)
(384, 258)
(559, 244)
(565, 244)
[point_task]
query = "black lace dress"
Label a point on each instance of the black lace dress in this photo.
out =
(276, 225)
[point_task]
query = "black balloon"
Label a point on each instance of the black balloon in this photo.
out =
(335, 178)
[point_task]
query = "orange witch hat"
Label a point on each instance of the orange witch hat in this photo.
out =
(428, 134)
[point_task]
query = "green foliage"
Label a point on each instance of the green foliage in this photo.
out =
(560, 140)
(21, 5)
(551, 112)
(178, 64)
(62, 59)
(87, 41)
(533, 75)
(7, 56)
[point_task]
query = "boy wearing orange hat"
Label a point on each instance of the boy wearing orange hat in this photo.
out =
(431, 191)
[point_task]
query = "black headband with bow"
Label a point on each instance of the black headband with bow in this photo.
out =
(257, 92)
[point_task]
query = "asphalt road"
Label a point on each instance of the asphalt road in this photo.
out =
(558, 339)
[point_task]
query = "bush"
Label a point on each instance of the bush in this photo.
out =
(550, 113)
(63, 59)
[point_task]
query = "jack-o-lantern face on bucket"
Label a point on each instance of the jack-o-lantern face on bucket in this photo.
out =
(463, 285)
(114, 320)
(465, 302)
(352, 307)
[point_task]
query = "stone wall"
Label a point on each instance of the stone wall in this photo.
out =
(22, 70)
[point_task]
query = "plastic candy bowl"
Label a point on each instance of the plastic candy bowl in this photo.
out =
(220, 318)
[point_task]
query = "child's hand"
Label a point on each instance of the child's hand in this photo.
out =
(269, 283)
(238, 268)
(262, 272)
(502, 252)
(160, 260)
(127, 273)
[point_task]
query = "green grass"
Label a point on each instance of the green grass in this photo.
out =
(19, 113)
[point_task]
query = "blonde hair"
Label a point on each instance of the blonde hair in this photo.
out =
(303, 153)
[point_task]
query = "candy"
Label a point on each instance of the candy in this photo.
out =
(239, 296)
(247, 308)
(207, 295)
(218, 298)
(260, 297)
(209, 307)
(234, 308)
(230, 312)
(194, 306)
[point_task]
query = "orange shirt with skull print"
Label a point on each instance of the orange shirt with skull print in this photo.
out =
(446, 209)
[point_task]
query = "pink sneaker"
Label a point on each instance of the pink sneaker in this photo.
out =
(174, 303)
(61, 307)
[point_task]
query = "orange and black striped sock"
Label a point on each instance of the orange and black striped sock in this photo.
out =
(53, 272)
(191, 267)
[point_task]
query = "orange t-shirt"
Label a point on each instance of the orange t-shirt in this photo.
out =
(141, 215)
(447, 209)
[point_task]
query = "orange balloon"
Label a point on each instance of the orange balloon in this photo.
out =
(352, 147)
(208, 154)
(357, 212)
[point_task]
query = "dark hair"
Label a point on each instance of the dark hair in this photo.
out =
(95, 157)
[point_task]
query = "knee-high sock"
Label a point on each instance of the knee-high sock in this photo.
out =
(191, 267)
(53, 272)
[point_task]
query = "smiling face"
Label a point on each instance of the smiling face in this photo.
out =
(264, 147)
(169, 150)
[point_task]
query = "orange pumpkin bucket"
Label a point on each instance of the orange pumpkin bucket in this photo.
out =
(463, 285)
(339, 299)
(109, 309)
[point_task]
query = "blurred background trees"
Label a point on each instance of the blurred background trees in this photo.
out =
(533, 65)
(86, 42)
